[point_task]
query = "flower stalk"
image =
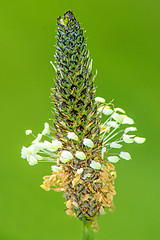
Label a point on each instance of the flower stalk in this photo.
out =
(87, 231)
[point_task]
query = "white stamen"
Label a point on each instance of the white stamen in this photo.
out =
(54, 146)
(117, 117)
(130, 129)
(25, 152)
(38, 139)
(125, 155)
(107, 111)
(100, 99)
(103, 151)
(56, 168)
(95, 165)
(72, 135)
(113, 124)
(119, 110)
(80, 155)
(32, 160)
(139, 140)
(66, 155)
(127, 139)
(88, 142)
(46, 129)
(113, 159)
(79, 171)
(128, 120)
(28, 132)
(115, 145)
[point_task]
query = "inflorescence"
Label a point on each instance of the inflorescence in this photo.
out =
(81, 147)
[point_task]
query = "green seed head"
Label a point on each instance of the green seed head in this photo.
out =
(80, 145)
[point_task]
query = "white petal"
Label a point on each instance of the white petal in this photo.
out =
(79, 171)
(56, 168)
(139, 140)
(28, 132)
(130, 129)
(125, 155)
(72, 135)
(128, 120)
(32, 160)
(107, 111)
(46, 129)
(88, 142)
(103, 151)
(127, 139)
(119, 110)
(115, 145)
(112, 124)
(95, 165)
(80, 155)
(66, 155)
(100, 99)
(117, 117)
(113, 159)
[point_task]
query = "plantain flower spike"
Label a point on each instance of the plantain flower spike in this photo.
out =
(81, 148)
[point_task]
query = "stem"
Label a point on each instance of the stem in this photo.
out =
(87, 231)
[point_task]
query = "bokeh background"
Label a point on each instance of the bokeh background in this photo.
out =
(124, 41)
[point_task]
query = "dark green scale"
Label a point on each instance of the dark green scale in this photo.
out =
(74, 93)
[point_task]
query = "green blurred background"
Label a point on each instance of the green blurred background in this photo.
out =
(124, 41)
